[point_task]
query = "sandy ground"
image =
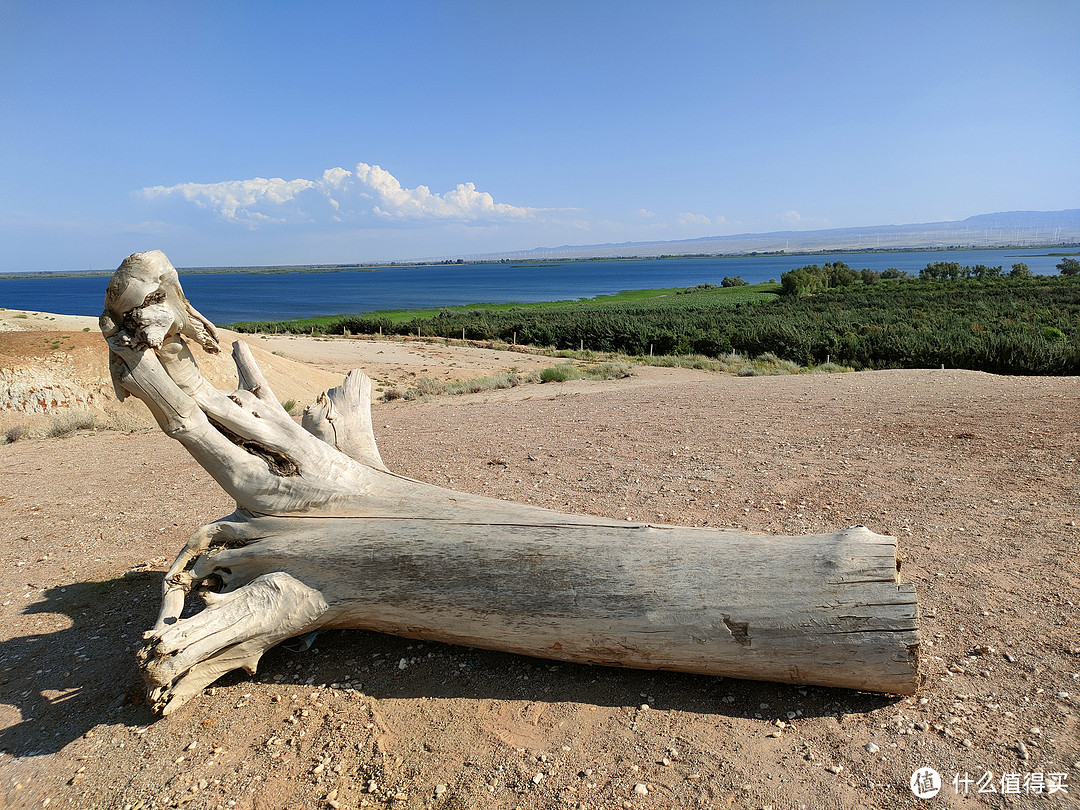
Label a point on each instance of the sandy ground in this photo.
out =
(975, 474)
(397, 362)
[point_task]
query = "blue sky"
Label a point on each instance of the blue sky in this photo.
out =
(241, 133)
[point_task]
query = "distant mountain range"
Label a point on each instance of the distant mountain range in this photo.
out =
(1005, 229)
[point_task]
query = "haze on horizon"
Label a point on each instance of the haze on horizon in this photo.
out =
(248, 134)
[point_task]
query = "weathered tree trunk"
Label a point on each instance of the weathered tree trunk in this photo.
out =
(324, 536)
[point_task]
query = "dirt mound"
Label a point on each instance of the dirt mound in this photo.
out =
(53, 380)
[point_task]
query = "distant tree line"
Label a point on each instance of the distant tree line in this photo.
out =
(813, 279)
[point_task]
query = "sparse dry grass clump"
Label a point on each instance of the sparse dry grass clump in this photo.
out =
(764, 365)
(425, 386)
(612, 370)
(64, 424)
(829, 368)
(494, 383)
(122, 422)
(16, 432)
(607, 370)
(769, 364)
(589, 365)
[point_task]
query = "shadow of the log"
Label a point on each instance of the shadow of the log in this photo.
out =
(65, 683)
(56, 686)
(388, 667)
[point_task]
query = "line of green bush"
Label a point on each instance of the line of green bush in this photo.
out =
(1001, 324)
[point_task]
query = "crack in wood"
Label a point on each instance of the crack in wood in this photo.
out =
(740, 631)
(279, 463)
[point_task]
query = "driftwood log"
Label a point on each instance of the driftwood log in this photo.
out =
(324, 536)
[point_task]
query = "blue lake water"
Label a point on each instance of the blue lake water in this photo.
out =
(229, 297)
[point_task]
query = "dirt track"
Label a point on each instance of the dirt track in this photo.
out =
(976, 475)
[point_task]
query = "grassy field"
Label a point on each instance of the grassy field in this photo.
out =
(1002, 325)
(704, 295)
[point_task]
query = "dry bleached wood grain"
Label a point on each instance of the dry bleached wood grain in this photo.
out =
(324, 536)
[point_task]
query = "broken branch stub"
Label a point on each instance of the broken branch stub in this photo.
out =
(324, 536)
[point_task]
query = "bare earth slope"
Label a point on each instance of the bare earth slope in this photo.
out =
(977, 476)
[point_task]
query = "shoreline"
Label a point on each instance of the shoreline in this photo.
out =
(368, 267)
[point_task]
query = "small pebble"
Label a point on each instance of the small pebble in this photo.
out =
(835, 768)
(871, 748)
(641, 789)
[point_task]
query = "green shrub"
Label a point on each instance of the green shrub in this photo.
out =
(1069, 267)
(828, 368)
(1052, 333)
(557, 373)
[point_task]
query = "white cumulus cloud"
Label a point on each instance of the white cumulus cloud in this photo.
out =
(700, 219)
(367, 190)
(796, 221)
(240, 200)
